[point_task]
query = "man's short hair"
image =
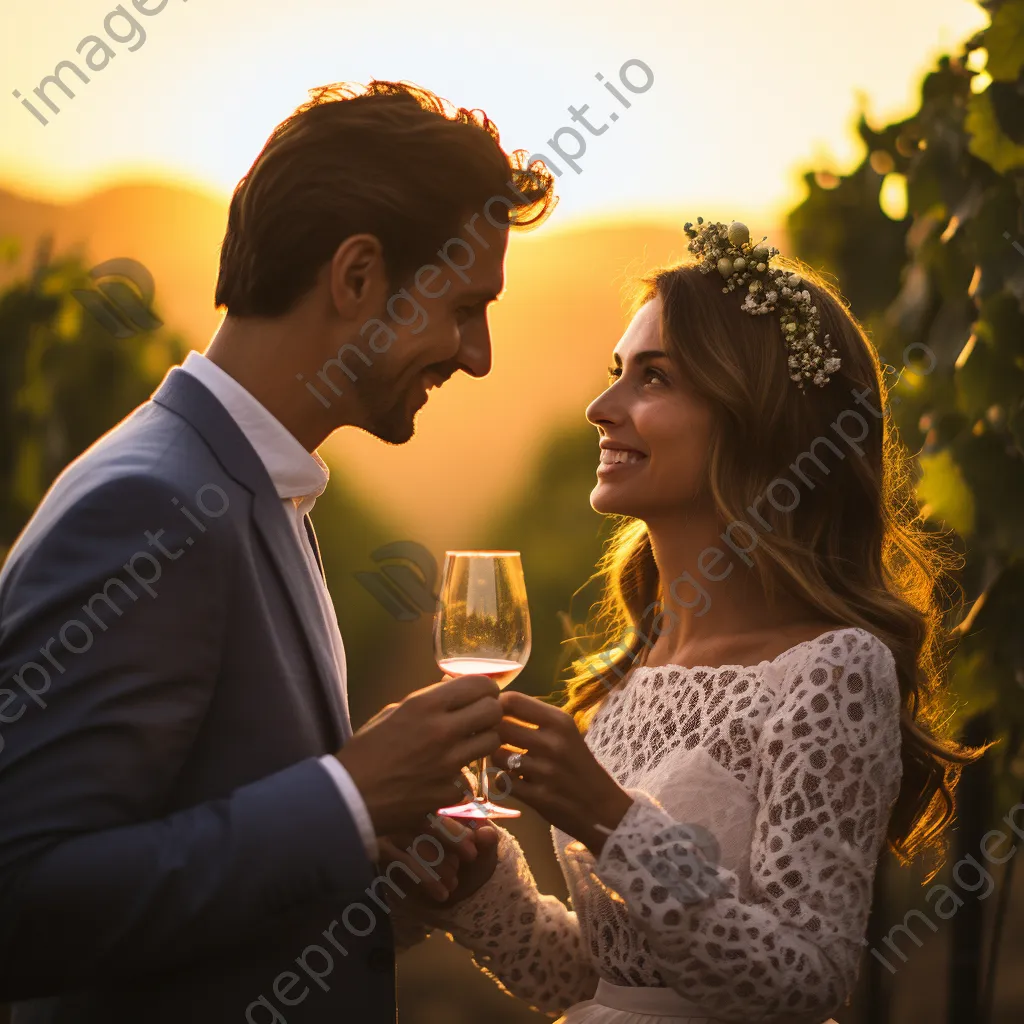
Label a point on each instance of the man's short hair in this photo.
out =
(389, 159)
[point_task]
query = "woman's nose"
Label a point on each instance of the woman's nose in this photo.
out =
(602, 409)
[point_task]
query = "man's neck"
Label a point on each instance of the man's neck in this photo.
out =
(251, 351)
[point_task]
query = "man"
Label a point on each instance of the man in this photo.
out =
(185, 812)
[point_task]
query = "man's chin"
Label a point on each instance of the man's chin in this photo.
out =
(395, 427)
(392, 433)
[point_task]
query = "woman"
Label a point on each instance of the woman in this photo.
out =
(721, 782)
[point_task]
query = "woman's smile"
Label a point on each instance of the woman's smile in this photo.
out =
(614, 460)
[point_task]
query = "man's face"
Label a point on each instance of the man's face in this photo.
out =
(431, 327)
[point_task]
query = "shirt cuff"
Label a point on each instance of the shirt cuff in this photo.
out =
(355, 803)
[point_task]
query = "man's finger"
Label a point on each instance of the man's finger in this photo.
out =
(459, 839)
(434, 887)
(483, 713)
(481, 745)
(463, 690)
(486, 837)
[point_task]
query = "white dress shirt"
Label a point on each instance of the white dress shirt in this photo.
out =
(299, 479)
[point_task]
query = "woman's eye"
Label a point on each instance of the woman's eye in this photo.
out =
(650, 374)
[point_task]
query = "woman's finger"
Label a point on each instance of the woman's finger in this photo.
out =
(533, 766)
(516, 734)
(530, 709)
(499, 759)
(531, 793)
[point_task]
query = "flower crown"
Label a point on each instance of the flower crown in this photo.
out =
(727, 249)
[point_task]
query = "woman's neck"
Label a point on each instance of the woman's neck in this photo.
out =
(713, 601)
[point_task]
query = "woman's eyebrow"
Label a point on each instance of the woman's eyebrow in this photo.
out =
(642, 357)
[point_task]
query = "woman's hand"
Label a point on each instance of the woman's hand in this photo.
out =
(558, 776)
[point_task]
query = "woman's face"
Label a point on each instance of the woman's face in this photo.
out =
(654, 431)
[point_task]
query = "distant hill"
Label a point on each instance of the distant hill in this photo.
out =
(476, 440)
(175, 232)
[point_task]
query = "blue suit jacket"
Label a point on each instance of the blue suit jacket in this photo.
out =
(170, 849)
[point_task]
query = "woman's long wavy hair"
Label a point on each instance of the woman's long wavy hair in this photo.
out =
(853, 547)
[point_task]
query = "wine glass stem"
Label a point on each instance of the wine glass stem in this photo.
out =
(482, 786)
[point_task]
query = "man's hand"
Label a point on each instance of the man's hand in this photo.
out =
(406, 762)
(471, 854)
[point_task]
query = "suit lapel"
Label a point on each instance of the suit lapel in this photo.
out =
(270, 519)
(311, 534)
(185, 395)
(342, 691)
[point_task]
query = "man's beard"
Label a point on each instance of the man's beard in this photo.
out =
(387, 417)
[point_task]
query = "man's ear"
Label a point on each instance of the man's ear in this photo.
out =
(357, 273)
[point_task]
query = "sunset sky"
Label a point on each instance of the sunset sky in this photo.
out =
(744, 93)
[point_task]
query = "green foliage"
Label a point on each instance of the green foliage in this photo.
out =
(1005, 43)
(942, 293)
(64, 380)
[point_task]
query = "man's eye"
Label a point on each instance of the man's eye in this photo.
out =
(614, 372)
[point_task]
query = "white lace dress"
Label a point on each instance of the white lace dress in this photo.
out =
(738, 885)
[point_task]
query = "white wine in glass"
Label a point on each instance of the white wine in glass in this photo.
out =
(482, 627)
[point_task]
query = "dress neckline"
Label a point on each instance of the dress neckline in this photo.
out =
(743, 668)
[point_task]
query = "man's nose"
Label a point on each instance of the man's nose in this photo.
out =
(475, 351)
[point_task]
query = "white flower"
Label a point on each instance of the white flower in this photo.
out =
(738, 233)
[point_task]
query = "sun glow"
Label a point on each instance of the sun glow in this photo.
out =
(175, 91)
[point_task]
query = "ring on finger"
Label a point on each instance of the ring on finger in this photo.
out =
(515, 762)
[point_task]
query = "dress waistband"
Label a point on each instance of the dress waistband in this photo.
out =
(659, 1002)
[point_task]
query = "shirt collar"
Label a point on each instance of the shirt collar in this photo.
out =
(294, 472)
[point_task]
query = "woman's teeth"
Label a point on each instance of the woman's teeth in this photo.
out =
(610, 456)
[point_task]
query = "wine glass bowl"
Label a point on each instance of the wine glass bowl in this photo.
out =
(482, 627)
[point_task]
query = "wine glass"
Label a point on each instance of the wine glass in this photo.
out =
(482, 627)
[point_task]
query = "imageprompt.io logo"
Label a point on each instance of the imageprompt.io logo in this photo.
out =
(404, 586)
(120, 302)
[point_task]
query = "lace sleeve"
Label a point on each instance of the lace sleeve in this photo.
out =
(828, 773)
(527, 942)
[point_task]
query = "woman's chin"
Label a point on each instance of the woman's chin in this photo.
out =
(611, 501)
